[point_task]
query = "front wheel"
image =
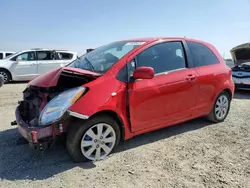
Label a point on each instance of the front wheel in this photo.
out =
(6, 76)
(221, 108)
(93, 139)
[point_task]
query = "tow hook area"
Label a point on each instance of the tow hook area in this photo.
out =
(41, 146)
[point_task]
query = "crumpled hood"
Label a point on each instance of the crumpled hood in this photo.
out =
(241, 53)
(51, 78)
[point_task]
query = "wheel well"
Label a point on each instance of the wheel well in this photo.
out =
(229, 92)
(116, 117)
(8, 72)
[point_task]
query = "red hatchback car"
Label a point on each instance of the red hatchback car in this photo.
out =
(124, 89)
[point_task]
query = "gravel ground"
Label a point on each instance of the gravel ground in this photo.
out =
(193, 154)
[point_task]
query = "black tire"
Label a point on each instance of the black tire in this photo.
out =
(212, 116)
(6, 75)
(78, 129)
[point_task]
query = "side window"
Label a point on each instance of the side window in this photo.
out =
(163, 57)
(1, 55)
(201, 54)
(64, 56)
(27, 56)
(8, 54)
(45, 55)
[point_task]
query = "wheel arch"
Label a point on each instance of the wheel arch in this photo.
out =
(115, 116)
(229, 92)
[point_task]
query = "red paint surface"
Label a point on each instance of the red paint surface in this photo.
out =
(154, 103)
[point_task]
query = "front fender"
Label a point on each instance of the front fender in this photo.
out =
(104, 97)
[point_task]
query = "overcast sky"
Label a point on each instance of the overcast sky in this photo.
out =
(77, 25)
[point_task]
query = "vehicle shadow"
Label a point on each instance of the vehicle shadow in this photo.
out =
(17, 82)
(18, 162)
(242, 94)
(164, 133)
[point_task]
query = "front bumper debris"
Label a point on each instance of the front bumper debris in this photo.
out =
(39, 138)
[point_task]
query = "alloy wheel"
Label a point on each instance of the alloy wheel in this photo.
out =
(221, 107)
(98, 141)
(5, 76)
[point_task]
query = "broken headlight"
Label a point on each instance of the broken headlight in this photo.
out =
(55, 109)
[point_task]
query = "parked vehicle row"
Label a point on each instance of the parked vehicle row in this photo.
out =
(26, 65)
(124, 89)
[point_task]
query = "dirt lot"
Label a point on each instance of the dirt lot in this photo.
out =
(194, 154)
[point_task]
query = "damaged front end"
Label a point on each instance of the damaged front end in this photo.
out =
(42, 114)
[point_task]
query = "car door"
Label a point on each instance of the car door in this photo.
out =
(24, 66)
(46, 61)
(207, 67)
(170, 95)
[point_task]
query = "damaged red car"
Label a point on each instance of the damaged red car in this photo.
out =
(124, 89)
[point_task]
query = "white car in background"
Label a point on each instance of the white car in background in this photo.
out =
(4, 54)
(26, 65)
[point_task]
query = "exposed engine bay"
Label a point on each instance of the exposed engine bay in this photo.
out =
(35, 98)
(245, 67)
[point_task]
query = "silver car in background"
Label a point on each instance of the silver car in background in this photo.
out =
(241, 68)
(26, 65)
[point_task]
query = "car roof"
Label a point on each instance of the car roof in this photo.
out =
(151, 39)
(43, 49)
(6, 52)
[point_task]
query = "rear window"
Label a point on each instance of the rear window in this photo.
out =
(8, 54)
(201, 54)
(64, 55)
(1, 55)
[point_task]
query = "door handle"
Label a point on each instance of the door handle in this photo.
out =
(191, 78)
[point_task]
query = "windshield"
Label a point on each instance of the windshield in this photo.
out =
(101, 59)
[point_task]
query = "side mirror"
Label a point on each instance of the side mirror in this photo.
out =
(144, 73)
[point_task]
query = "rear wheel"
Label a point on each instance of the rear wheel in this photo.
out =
(221, 108)
(93, 139)
(6, 75)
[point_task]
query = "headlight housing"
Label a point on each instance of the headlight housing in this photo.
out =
(55, 109)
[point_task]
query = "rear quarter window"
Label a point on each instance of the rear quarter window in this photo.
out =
(64, 56)
(1, 55)
(201, 54)
(8, 54)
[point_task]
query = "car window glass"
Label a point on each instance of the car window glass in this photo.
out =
(1, 55)
(8, 54)
(45, 55)
(64, 56)
(163, 57)
(201, 54)
(120, 53)
(28, 56)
